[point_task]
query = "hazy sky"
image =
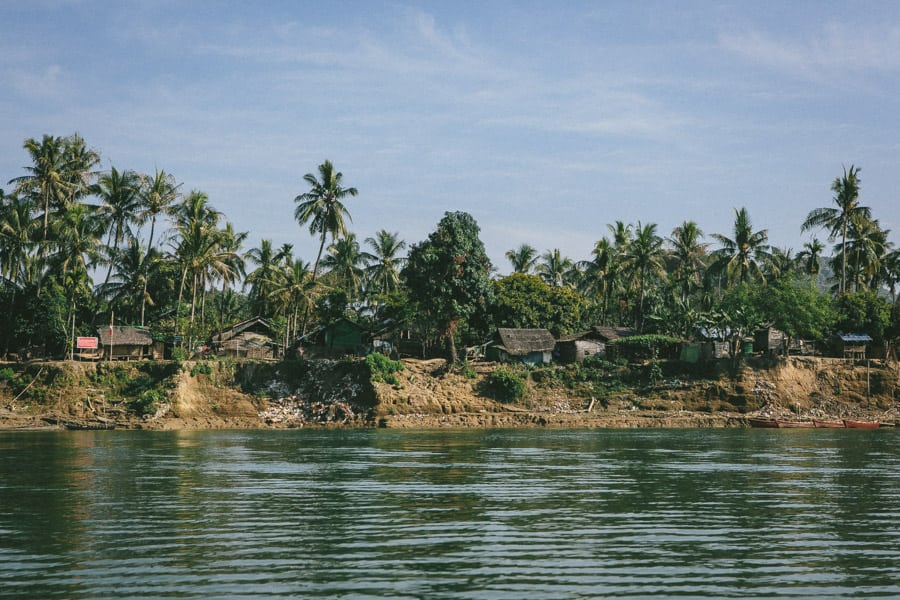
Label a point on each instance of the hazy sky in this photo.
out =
(544, 120)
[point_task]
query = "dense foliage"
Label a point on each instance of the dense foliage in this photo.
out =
(81, 247)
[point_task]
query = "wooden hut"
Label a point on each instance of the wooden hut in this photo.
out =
(853, 345)
(251, 338)
(343, 335)
(769, 340)
(575, 348)
(527, 346)
(127, 342)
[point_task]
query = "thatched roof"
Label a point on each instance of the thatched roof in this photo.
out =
(611, 333)
(518, 342)
(257, 324)
(125, 335)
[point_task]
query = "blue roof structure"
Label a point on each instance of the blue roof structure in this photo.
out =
(855, 337)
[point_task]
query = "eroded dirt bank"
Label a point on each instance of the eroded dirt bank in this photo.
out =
(228, 394)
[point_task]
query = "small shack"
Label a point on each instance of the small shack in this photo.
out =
(343, 336)
(527, 346)
(575, 348)
(853, 345)
(769, 340)
(251, 338)
(128, 342)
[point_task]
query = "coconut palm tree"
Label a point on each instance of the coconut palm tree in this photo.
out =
(556, 269)
(867, 246)
(157, 195)
(16, 236)
(345, 262)
(293, 293)
(689, 253)
(809, 257)
(741, 258)
(838, 220)
(126, 289)
(322, 206)
(523, 259)
(263, 279)
(60, 174)
(383, 264)
(644, 258)
(781, 263)
(120, 197)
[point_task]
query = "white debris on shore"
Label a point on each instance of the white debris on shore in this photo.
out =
(296, 411)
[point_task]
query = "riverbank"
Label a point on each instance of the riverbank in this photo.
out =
(223, 394)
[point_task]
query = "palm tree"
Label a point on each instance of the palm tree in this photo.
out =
(263, 279)
(158, 194)
(293, 292)
(644, 257)
(383, 263)
(740, 258)
(809, 257)
(16, 236)
(126, 289)
(780, 264)
(838, 220)
(689, 254)
(119, 194)
(322, 208)
(60, 173)
(345, 262)
(555, 269)
(523, 259)
(866, 249)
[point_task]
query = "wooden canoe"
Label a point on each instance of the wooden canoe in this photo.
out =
(793, 424)
(763, 423)
(861, 424)
(828, 424)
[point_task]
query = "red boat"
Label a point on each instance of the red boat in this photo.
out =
(763, 423)
(794, 424)
(861, 424)
(828, 424)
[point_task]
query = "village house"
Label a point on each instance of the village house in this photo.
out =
(526, 346)
(251, 338)
(575, 348)
(127, 342)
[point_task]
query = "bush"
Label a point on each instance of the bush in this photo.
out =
(203, 368)
(504, 385)
(7, 375)
(383, 369)
(147, 403)
(642, 347)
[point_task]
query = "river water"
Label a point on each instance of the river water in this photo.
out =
(450, 514)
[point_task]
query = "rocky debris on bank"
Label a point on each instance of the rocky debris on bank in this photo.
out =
(294, 411)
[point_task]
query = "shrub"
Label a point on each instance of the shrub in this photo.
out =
(504, 385)
(641, 347)
(6, 375)
(203, 368)
(147, 403)
(382, 368)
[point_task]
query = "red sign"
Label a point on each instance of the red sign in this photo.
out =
(87, 343)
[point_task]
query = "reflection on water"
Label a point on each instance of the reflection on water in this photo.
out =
(450, 514)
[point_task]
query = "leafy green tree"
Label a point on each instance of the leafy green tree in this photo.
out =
(863, 312)
(322, 206)
(838, 220)
(800, 311)
(526, 301)
(448, 276)
(742, 256)
(523, 259)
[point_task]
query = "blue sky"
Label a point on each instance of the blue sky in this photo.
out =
(544, 120)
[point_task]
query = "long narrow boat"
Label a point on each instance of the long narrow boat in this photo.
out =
(828, 424)
(793, 424)
(771, 423)
(861, 424)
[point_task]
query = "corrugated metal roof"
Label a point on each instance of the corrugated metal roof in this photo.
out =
(855, 337)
